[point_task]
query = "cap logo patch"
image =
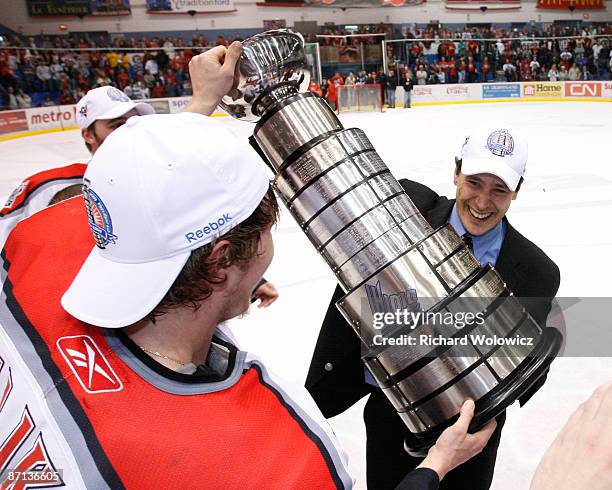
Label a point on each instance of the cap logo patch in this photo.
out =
(83, 111)
(117, 95)
(99, 218)
(500, 143)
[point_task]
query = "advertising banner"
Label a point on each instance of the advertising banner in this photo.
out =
(58, 7)
(501, 90)
(543, 89)
(110, 7)
(51, 117)
(583, 89)
(478, 4)
(566, 4)
(160, 105)
(177, 104)
(442, 93)
(13, 122)
(189, 6)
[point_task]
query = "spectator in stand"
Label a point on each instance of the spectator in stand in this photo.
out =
(509, 71)
(314, 87)
(433, 78)
(350, 79)
(158, 90)
(43, 72)
(563, 74)
(324, 87)
(597, 47)
(169, 48)
(603, 62)
(23, 100)
(123, 79)
(152, 67)
(66, 98)
(440, 74)
(48, 102)
(382, 79)
(407, 84)
(542, 75)
(574, 73)
(485, 70)
(137, 91)
(421, 76)
(56, 70)
(553, 73)
(337, 77)
(162, 60)
(461, 70)
(332, 94)
(12, 100)
(112, 58)
(391, 87)
(472, 73)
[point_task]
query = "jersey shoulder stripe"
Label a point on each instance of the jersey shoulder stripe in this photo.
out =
(24, 191)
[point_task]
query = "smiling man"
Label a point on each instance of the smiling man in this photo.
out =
(488, 175)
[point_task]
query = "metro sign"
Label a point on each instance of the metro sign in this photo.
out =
(582, 89)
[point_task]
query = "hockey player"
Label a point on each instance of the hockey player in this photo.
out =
(98, 113)
(118, 367)
(101, 111)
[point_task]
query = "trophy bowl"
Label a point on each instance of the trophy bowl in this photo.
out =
(272, 66)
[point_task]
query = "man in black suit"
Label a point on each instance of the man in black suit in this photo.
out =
(488, 176)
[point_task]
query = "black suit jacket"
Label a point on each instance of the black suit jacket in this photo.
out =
(336, 376)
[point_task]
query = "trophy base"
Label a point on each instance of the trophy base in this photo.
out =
(497, 400)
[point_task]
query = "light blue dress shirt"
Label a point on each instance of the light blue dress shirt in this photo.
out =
(487, 246)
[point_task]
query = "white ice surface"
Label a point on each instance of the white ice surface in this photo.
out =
(564, 206)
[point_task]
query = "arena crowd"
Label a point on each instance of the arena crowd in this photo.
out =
(49, 70)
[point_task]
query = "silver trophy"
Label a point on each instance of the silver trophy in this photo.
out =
(386, 257)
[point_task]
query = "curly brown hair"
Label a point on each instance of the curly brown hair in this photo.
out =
(195, 282)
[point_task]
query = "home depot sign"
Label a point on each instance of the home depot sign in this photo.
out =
(544, 89)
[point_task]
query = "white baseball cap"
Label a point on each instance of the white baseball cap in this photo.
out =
(495, 149)
(107, 103)
(159, 187)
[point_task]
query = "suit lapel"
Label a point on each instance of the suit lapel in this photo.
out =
(509, 261)
(438, 215)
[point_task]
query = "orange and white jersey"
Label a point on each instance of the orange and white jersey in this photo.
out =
(34, 194)
(84, 407)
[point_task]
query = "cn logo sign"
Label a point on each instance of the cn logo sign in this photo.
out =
(586, 89)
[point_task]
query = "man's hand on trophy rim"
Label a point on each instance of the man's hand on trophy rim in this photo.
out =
(213, 74)
(455, 445)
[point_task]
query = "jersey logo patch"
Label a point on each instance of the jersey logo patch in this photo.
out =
(99, 218)
(89, 364)
(500, 143)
